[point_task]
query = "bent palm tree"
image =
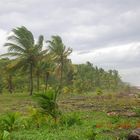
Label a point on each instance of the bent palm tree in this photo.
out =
(40, 54)
(21, 46)
(60, 52)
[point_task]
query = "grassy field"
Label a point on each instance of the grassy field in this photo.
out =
(84, 117)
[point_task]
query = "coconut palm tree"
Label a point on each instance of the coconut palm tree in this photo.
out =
(21, 46)
(47, 68)
(41, 54)
(60, 53)
(7, 72)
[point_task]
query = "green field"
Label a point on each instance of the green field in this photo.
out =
(106, 117)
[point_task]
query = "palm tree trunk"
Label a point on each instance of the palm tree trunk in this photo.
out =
(38, 81)
(31, 79)
(46, 80)
(61, 76)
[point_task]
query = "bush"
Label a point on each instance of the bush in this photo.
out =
(5, 135)
(35, 117)
(115, 119)
(66, 90)
(70, 120)
(99, 91)
(10, 121)
(137, 111)
(91, 134)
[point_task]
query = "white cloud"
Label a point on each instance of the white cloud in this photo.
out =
(3, 35)
(124, 58)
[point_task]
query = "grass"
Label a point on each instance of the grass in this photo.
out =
(15, 102)
(103, 127)
(84, 116)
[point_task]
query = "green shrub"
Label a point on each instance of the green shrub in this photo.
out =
(137, 111)
(99, 91)
(114, 119)
(10, 121)
(66, 90)
(92, 133)
(5, 135)
(26, 123)
(70, 120)
(35, 117)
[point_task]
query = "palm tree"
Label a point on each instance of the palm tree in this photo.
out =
(48, 103)
(21, 46)
(60, 53)
(7, 71)
(47, 68)
(39, 57)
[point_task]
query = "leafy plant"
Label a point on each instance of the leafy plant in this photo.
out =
(137, 111)
(35, 117)
(66, 90)
(5, 135)
(99, 91)
(26, 123)
(10, 121)
(114, 119)
(71, 119)
(48, 103)
(92, 133)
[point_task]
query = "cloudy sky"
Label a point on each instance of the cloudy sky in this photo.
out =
(104, 32)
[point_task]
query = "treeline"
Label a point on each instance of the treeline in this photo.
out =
(30, 66)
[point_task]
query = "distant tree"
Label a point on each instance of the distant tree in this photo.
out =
(7, 73)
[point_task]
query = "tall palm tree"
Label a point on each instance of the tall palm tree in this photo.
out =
(60, 53)
(40, 54)
(21, 46)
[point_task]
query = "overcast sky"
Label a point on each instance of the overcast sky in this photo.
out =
(104, 32)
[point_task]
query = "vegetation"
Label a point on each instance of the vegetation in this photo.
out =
(82, 117)
(48, 103)
(68, 101)
(28, 62)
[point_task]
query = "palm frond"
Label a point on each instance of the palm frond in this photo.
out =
(12, 54)
(14, 47)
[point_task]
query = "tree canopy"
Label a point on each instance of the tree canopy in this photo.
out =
(39, 65)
